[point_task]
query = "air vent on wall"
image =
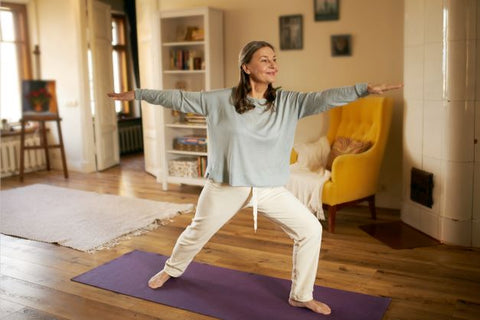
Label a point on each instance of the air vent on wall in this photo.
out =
(421, 187)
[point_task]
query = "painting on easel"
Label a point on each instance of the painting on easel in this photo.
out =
(39, 98)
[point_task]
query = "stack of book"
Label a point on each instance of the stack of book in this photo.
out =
(202, 166)
(185, 60)
(192, 118)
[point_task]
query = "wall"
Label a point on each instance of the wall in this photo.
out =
(63, 60)
(115, 5)
(377, 30)
(148, 46)
(442, 116)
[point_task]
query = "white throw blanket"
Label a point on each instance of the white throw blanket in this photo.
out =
(307, 186)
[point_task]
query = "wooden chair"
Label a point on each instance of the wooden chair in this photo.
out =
(354, 177)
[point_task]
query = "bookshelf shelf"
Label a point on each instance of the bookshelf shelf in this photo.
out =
(186, 180)
(184, 43)
(190, 62)
(185, 126)
(187, 153)
(184, 71)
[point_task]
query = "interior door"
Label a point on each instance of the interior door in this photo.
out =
(105, 120)
(148, 24)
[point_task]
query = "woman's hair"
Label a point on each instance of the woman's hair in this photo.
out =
(240, 100)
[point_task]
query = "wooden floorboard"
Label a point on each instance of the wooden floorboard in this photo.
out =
(438, 282)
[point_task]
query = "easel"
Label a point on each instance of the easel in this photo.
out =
(41, 119)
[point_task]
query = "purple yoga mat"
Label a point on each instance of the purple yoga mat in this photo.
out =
(224, 293)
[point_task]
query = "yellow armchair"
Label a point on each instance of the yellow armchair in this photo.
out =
(354, 177)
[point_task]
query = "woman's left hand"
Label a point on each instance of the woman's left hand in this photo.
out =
(381, 88)
(122, 96)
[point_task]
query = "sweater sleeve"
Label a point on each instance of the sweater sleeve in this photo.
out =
(310, 103)
(183, 101)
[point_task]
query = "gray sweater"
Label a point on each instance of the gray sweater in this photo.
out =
(251, 149)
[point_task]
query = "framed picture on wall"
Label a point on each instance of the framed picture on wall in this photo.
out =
(326, 9)
(291, 32)
(341, 45)
(39, 98)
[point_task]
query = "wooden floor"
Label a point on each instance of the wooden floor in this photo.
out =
(439, 282)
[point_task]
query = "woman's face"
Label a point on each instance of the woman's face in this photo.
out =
(263, 67)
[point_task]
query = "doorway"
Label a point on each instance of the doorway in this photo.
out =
(113, 66)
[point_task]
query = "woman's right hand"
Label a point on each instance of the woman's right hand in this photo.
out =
(123, 96)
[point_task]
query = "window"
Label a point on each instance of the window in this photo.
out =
(15, 63)
(119, 57)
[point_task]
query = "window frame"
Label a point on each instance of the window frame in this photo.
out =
(122, 51)
(21, 42)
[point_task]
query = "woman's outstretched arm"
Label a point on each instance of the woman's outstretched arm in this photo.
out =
(315, 102)
(381, 88)
(123, 96)
(182, 101)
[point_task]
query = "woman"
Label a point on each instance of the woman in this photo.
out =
(251, 130)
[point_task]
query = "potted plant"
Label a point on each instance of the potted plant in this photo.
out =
(39, 98)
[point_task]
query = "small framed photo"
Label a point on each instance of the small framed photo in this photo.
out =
(291, 32)
(341, 45)
(326, 10)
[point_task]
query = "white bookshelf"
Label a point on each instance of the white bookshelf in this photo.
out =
(203, 74)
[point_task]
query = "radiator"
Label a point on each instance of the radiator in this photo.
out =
(130, 139)
(10, 155)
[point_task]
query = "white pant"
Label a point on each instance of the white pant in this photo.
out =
(218, 203)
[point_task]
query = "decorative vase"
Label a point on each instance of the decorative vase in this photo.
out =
(37, 106)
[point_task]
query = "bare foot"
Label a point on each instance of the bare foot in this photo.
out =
(158, 280)
(314, 305)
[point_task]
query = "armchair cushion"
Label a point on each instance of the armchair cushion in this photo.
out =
(346, 145)
(313, 155)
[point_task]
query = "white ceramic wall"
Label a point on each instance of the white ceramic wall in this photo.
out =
(476, 182)
(441, 48)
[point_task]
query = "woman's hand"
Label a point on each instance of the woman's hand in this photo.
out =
(123, 96)
(381, 88)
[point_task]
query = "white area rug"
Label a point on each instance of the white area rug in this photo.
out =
(82, 220)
